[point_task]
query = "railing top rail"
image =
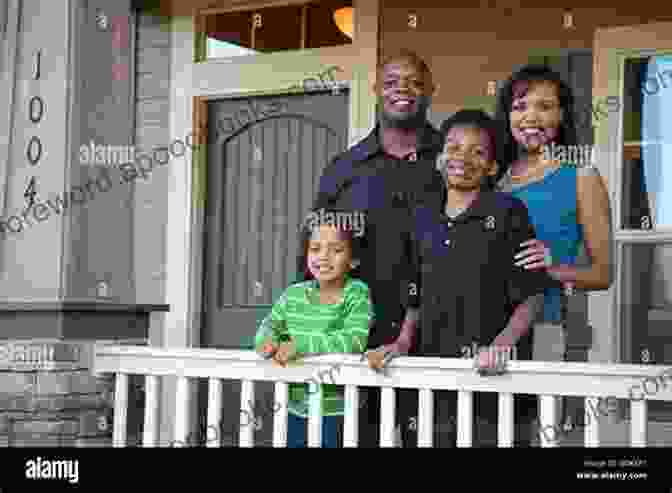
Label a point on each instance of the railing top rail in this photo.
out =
(526, 377)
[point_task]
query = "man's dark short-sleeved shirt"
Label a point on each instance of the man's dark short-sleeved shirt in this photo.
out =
(467, 283)
(385, 188)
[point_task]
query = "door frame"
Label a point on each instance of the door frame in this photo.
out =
(612, 46)
(193, 84)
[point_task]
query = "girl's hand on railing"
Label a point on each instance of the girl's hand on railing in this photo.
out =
(537, 256)
(268, 349)
(285, 352)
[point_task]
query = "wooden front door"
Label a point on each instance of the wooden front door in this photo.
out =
(266, 156)
(265, 159)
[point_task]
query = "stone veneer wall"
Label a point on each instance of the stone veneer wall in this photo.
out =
(50, 398)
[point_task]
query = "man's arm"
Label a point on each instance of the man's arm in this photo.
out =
(409, 327)
(407, 335)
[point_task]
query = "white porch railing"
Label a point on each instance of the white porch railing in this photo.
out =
(549, 380)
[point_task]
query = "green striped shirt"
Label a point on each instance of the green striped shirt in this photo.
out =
(320, 328)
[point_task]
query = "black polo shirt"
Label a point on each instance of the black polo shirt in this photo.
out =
(385, 188)
(468, 284)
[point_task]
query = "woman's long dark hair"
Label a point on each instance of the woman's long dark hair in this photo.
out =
(520, 81)
(481, 120)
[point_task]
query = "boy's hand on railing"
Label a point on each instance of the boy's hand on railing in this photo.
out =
(286, 351)
(492, 360)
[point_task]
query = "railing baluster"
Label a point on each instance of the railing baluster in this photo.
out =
(247, 427)
(387, 415)
(465, 416)
(548, 435)
(550, 381)
(214, 413)
(638, 422)
(315, 416)
(425, 422)
(181, 411)
(151, 427)
(120, 410)
(591, 436)
(280, 417)
(505, 424)
(351, 422)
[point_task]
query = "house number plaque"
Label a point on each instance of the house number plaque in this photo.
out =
(34, 149)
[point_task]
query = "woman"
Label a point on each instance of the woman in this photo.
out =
(567, 201)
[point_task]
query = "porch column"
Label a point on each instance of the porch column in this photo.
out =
(66, 220)
(49, 396)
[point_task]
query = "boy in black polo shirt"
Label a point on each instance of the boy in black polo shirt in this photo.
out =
(470, 293)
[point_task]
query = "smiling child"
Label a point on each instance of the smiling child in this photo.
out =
(471, 294)
(329, 313)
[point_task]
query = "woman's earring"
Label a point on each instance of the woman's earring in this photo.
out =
(354, 264)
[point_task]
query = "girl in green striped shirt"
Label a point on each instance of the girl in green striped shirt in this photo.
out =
(329, 313)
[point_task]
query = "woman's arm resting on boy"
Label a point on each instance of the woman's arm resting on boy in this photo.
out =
(524, 283)
(594, 215)
(537, 255)
(380, 356)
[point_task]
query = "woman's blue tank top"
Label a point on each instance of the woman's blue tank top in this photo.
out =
(551, 203)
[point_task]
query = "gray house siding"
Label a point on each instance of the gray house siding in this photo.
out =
(152, 129)
(99, 231)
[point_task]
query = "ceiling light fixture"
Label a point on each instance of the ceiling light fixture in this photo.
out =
(344, 20)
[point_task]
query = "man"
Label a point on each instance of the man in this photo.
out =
(386, 174)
